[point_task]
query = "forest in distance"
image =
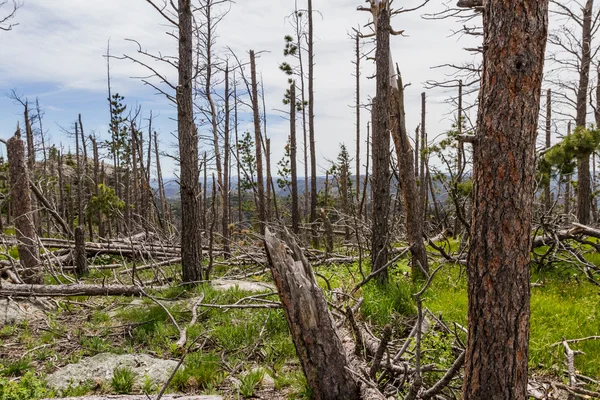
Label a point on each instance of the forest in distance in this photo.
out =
(415, 265)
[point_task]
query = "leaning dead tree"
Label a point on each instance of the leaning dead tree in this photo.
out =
(29, 252)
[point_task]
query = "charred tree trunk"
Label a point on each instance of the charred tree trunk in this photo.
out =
(99, 217)
(317, 344)
(504, 168)
(258, 145)
(381, 150)
(191, 236)
(29, 252)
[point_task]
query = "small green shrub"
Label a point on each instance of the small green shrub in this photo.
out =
(250, 381)
(382, 302)
(149, 386)
(123, 380)
(17, 367)
(200, 371)
(30, 387)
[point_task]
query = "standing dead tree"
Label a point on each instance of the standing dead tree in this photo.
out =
(29, 252)
(180, 17)
(382, 13)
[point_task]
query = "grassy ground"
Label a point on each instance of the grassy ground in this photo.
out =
(231, 344)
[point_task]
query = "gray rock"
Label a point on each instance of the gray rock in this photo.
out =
(13, 312)
(225, 284)
(100, 369)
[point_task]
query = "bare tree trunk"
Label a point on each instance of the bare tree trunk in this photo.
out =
(237, 152)
(226, 151)
(80, 219)
(381, 152)
(422, 173)
(29, 252)
(270, 189)
(311, 125)
(547, 197)
(568, 194)
(135, 189)
(61, 188)
(257, 142)
(81, 264)
(99, 216)
(191, 236)
(357, 73)
(504, 168)
(584, 191)
(460, 157)
(317, 344)
(293, 168)
(204, 205)
(31, 165)
(161, 185)
(406, 168)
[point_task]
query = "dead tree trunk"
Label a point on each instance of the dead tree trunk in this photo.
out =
(381, 150)
(547, 196)
(293, 165)
(423, 155)
(29, 252)
(317, 344)
(406, 167)
(191, 236)
(226, 152)
(584, 191)
(357, 73)
(81, 264)
(311, 126)
(504, 167)
(258, 144)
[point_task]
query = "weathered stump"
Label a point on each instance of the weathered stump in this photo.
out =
(81, 263)
(29, 252)
(318, 346)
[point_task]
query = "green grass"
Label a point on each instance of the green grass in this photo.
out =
(200, 371)
(562, 307)
(123, 380)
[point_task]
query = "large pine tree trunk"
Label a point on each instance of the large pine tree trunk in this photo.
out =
(191, 236)
(29, 252)
(504, 166)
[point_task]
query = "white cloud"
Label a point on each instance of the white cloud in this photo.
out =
(60, 44)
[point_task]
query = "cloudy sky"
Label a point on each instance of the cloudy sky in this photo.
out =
(56, 54)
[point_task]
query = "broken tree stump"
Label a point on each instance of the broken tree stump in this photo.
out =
(318, 346)
(81, 263)
(29, 252)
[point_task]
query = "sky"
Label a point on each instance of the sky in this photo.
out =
(56, 54)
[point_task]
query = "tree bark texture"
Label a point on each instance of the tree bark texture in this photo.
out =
(29, 252)
(515, 35)
(81, 264)
(547, 193)
(317, 344)
(191, 237)
(381, 149)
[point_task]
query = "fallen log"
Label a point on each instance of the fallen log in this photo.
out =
(9, 289)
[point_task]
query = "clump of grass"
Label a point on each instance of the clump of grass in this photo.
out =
(122, 380)
(383, 303)
(249, 382)
(148, 386)
(17, 367)
(200, 371)
(95, 344)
